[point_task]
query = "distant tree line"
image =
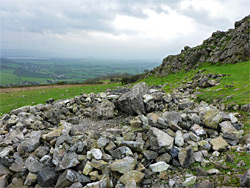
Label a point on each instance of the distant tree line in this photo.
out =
(131, 79)
(111, 77)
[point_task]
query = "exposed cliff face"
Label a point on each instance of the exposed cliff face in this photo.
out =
(222, 47)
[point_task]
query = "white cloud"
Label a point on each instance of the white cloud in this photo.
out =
(164, 26)
(213, 7)
(121, 28)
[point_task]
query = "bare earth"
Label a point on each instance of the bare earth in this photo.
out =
(7, 90)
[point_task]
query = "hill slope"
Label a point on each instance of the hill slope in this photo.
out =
(222, 47)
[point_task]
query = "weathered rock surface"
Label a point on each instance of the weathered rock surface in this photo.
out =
(186, 156)
(33, 165)
(132, 175)
(212, 118)
(69, 177)
(31, 142)
(47, 177)
(159, 166)
(132, 102)
(159, 138)
(219, 144)
(104, 110)
(226, 127)
(189, 181)
(123, 165)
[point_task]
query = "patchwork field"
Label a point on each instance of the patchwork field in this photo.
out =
(16, 72)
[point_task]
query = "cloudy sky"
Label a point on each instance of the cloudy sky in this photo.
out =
(114, 28)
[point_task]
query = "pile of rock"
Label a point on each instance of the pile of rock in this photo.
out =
(47, 145)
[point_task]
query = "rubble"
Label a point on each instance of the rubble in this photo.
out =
(69, 149)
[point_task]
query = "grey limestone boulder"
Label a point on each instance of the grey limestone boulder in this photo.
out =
(31, 142)
(121, 152)
(159, 139)
(68, 177)
(159, 166)
(47, 177)
(212, 118)
(245, 107)
(133, 145)
(172, 116)
(149, 154)
(219, 144)
(186, 156)
(132, 175)
(132, 102)
(123, 165)
(104, 110)
(4, 170)
(33, 165)
(69, 160)
(4, 181)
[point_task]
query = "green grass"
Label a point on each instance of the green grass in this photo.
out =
(12, 100)
(239, 78)
(7, 77)
(240, 156)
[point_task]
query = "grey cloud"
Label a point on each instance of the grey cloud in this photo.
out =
(25, 23)
(62, 16)
(233, 11)
(37, 18)
(202, 17)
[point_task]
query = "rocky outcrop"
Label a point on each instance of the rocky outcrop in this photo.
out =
(84, 150)
(222, 47)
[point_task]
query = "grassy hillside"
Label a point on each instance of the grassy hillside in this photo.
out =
(239, 79)
(236, 85)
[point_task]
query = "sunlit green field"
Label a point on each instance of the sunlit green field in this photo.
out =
(46, 71)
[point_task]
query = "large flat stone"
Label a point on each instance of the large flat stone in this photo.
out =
(159, 139)
(123, 165)
(132, 175)
(219, 144)
(159, 166)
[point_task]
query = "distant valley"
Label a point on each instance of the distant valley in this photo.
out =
(36, 71)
